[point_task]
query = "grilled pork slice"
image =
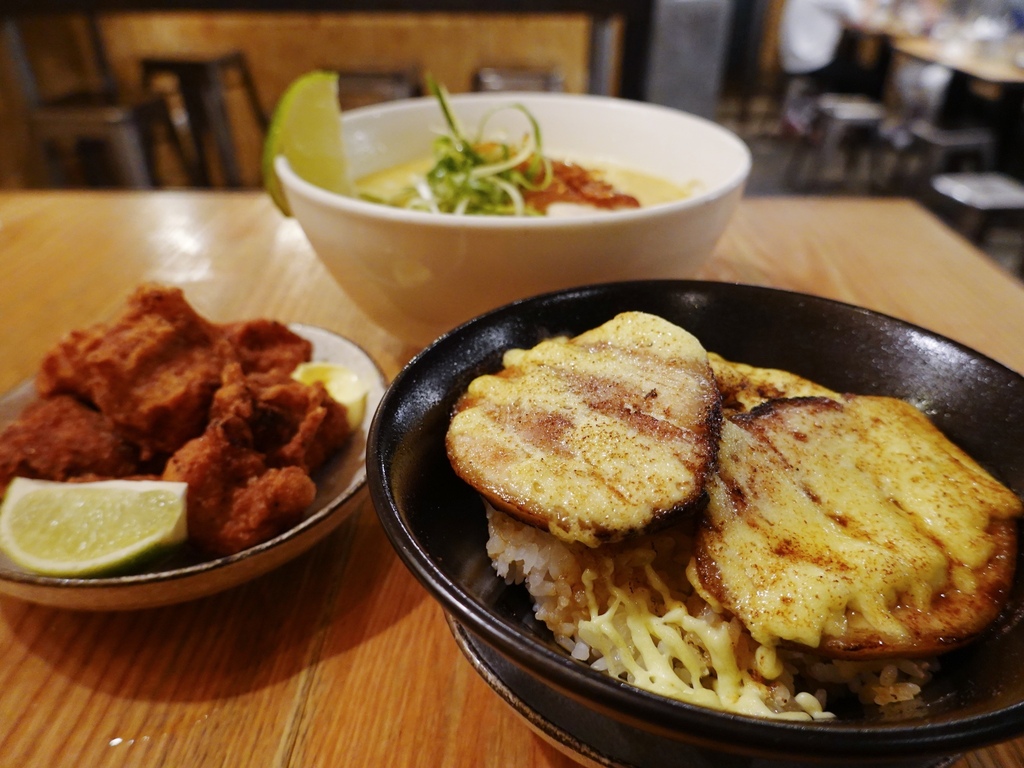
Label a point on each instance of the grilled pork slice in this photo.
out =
(744, 387)
(855, 527)
(593, 438)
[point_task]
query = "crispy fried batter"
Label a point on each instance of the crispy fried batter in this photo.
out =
(61, 439)
(248, 474)
(234, 500)
(316, 425)
(290, 422)
(152, 371)
(265, 346)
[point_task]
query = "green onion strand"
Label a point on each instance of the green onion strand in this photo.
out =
(480, 176)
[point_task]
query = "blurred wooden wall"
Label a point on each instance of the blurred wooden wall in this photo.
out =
(280, 47)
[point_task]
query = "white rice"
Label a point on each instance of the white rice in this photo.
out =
(634, 610)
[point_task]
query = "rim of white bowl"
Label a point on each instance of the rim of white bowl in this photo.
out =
(290, 179)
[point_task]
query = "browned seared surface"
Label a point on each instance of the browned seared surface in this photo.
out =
(855, 527)
(593, 438)
(152, 371)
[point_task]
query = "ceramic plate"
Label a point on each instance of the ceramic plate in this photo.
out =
(187, 577)
(437, 524)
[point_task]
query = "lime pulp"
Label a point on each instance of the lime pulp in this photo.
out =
(90, 529)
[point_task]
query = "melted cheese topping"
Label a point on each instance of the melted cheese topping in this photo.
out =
(652, 640)
(630, 610)
(594, 437)
(842, 513)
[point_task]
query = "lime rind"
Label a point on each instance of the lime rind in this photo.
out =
(91, 529)
(306, 130)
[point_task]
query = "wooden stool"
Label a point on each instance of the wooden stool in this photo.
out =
(842, 125)
(360, 89)
(202, 88)
(517, 79)
(112, 141)
(983, 199)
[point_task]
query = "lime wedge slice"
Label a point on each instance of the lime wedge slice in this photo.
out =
(341, 384)
(90, 529)
(306, 129)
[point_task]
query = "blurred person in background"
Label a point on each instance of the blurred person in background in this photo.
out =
(809, 40)
(810, 36)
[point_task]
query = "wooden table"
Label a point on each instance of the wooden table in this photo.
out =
(966, 59)
(340, 658)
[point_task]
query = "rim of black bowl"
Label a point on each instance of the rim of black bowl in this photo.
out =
(840, 740)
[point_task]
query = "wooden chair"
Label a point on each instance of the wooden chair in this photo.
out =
(363, 88)
(94, 140)
(517, 79)
(92, 137)
(201, 85)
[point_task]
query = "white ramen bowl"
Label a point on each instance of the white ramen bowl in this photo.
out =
(420, 274)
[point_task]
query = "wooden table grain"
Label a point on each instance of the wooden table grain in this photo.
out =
(340, 658)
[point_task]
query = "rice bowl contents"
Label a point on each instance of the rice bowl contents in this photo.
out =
(647, 609)
(632, 610)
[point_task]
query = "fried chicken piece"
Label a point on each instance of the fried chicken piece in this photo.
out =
(267, 346)
(247, 474)
(234, 500)
(293, 424)
(161, 381)
(153, 371)
(316, 424)
(59, 438)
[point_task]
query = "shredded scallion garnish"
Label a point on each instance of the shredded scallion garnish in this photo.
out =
(478, 176)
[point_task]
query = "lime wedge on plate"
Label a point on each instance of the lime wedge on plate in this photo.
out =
(306, 129)
(90, 529)
(341, 383)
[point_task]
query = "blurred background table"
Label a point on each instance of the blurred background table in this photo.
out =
(340, 657)
(993, 69)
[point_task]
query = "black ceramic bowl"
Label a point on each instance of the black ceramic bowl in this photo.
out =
(437, 523)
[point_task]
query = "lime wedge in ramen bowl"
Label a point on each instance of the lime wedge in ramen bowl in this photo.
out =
(306, 129)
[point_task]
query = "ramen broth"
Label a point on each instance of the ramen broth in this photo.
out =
(647, 189)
